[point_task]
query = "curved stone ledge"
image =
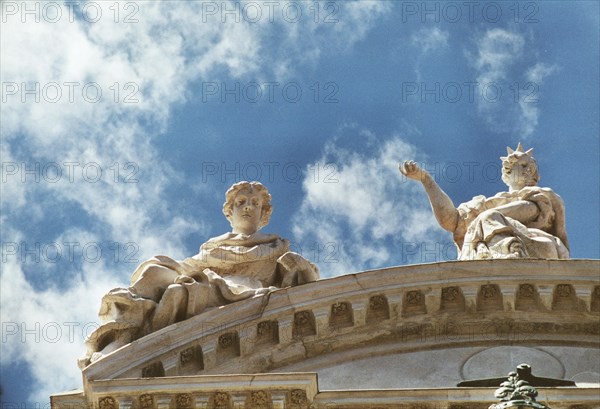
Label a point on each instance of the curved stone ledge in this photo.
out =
(400, 309)
(291, 391)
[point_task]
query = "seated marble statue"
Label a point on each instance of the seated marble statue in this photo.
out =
(234, 266)
(528, 221)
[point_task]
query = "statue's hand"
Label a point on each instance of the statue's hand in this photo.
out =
(411, 170)
(297, 268)
(294, 262)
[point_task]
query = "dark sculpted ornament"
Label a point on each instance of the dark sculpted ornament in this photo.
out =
(516, 392)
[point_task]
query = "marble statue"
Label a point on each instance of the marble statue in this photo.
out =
(528, 221)
(234, 266)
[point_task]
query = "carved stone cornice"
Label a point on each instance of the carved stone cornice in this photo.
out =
(439, 305)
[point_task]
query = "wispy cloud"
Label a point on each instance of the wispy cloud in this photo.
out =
(507, 91)
(429, 39)
(365, 215)
(530, 113)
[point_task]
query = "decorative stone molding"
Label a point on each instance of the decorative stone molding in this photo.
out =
(286, 393)
(341, 315)
(414, 303)
(379, 309)
(304, 324)
(267, 332)
(191, 359)
(452, 299)
(489, 298)
(398, 306)
(258, 391)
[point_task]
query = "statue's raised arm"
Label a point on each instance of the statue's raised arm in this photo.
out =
(443, 208)
(526, 222)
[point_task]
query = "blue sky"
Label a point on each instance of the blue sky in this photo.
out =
(123, 126)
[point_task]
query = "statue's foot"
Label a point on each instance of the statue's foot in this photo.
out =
(96, 356)
(517, 250)
(483, 252)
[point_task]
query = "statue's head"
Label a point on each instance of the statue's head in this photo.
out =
(519, 168)
(248, 206)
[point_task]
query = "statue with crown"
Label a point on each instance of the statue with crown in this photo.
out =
(528, 221)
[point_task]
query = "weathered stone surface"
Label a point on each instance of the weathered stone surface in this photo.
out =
(232, 267)
(314, 327)
(525, 222)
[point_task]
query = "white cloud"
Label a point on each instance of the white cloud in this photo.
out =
(498, 61)
(530, 113)
(540, 71)
(429, 39)
(153, 61)
(497, 51)
(368, 215)
(355, 18)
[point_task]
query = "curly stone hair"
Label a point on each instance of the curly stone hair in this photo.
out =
(233, 191)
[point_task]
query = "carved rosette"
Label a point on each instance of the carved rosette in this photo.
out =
(264, 328)
(414, 298)
(377, 302)
(107, 402)
(221, 400)
(298, 399)
(563, 290)
(302, 318)
(184, 401)
(526, 291)
(226, 341)
(339, 308)
(187, 356)
(304, 324)
(146, 401)
(489, 291)
(450, 294)
(260, 400)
